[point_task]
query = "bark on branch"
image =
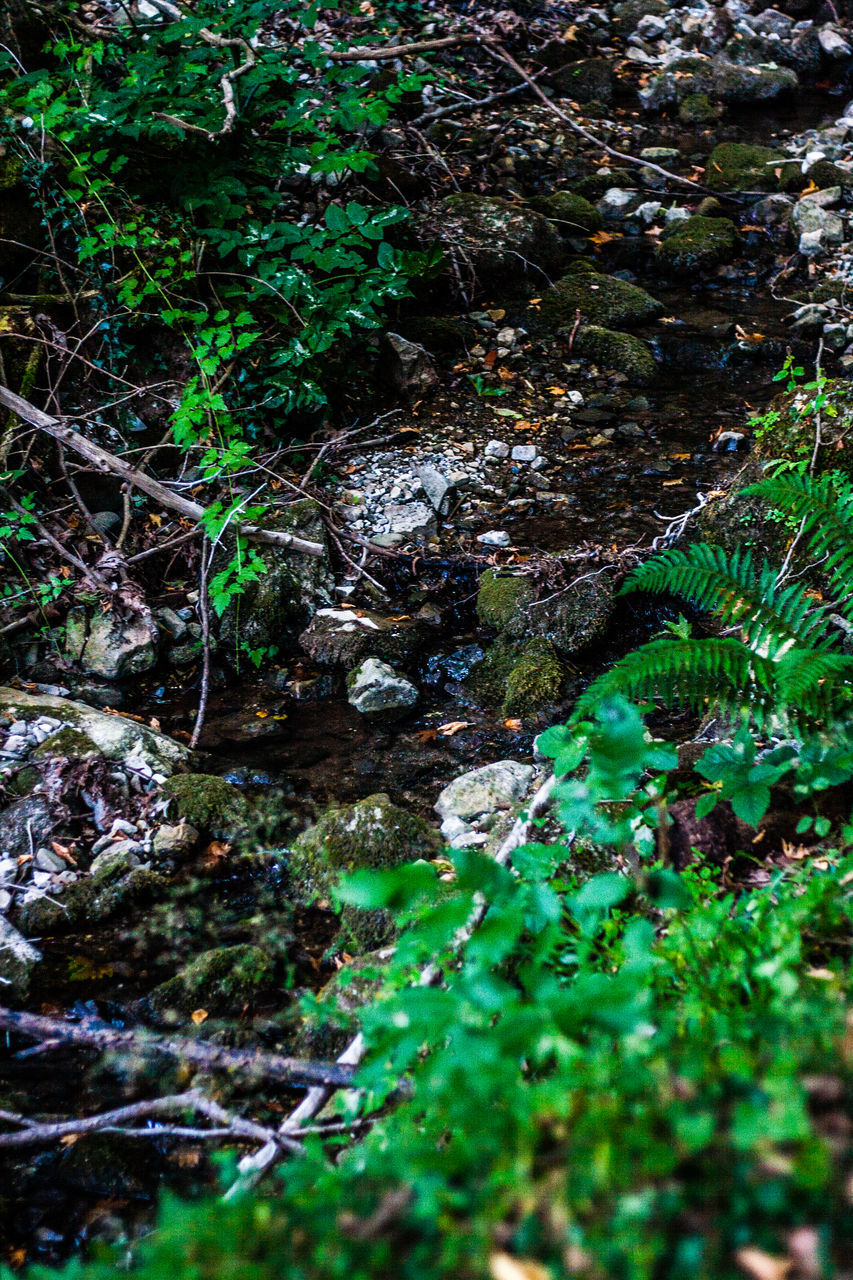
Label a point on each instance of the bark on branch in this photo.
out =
(103, 460)
(209, 1057)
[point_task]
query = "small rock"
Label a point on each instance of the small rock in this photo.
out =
(172, 840)
(47, 860)
(496, 449)
(375, 689)
(494, 538)
(438, 489)
(486, 790)
(524, 453)
(413, 518)
(18, 959)
(833, 43)
(615, 201)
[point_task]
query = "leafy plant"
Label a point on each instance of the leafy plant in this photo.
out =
(786, 660)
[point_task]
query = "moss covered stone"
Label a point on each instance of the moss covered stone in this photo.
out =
(220, 981)
(573, 215)
(788, 429)
(721, 80)
(698, 109)
(588, 80)
(497, 238)
(741, 166)
(271, 610)
(208, 803)
(373, 834)
(594, 185)
(601, 300)
(325, 1032)
(535, 681)
(67, 744)
(697, 244)
(500, 596)
(622, 352)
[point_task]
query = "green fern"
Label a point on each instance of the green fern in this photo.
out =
(785, 661)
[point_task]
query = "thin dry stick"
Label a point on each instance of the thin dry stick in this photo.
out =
(254, 1167)
(102, 460)
(498, 52)
(204, 611)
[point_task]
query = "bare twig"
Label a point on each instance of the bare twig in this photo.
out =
(102, 460)
(204, 611)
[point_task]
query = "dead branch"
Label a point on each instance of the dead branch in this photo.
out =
(383, 53)
(32, 1134)
(498, 52)
(207, 1056)
(102, 460)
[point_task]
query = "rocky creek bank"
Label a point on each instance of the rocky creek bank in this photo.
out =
(585, 366)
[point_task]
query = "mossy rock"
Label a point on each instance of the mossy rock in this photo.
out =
(698, 109)
(68, 744)
(593, 185)
(741, 166)
(601, 300)
(221, 981)
(697, 244)
(90, 900)
(442, 334)
(500, 596)
(588, 80)
(373, 834)
(208, 803)
(498, 239)
(343, 996)
(623, 352)
(535, 681)
(573, 215)
(270, 611)
(720, 80)
(791, 437)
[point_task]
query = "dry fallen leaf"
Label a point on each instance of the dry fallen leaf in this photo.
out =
(502, 1266)
(761, 1265)
(199, 1016)
(512, 724)
(452, 726)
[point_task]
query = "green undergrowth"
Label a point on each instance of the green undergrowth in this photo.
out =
(638, 1077)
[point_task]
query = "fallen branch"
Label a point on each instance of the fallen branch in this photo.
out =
(207, 1056)
(498, 52)
(105, 461)
(383, 52)
(32, 1134)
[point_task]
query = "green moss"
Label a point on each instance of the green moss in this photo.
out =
(622, 352)
(594, 185)
(573, 214)
(740, 166)
(89, 901)
(68, 743)
(207, 802)
(223, 980)
(23, 782)
(352, 987)
(601, 300)
(373, 834)
(496, 236)
(535, 681)
(500, 596)
(789, 432)
(698, 109)
(589, 80)
(697, 243)
(488, 678)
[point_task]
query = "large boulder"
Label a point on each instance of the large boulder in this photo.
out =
(722, 81)
(569, 620)
(377, 692)
(220, 981)
(345, 637)
(588, 80)
(601, 300)
(573, 215)
(207, 803)
(624, 353)
(373, 834)
(478, 807)
(500, 241)
(741, 166)
(109, 645)
(113, 735)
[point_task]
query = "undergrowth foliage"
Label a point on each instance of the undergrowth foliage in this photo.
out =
(785, 662)
(637, 1076)
(228, 264)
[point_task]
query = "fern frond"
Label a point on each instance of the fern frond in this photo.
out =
(697, 673)
(825, 504)
(814, 687)
(729, 586)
